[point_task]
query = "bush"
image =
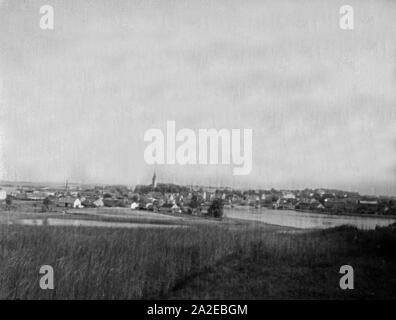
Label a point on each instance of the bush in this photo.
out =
(46, 203)
(88, 204)
(114, 203)
(8, 200)
(194, 203)
(216, 208)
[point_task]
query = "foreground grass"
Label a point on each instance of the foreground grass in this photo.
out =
(196, 262)
(302, 266)
(95, 263)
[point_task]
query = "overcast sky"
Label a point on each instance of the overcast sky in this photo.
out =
(76, 101)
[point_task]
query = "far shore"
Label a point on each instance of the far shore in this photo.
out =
(252, 208)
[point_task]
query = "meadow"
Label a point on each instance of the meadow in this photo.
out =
(221, 261)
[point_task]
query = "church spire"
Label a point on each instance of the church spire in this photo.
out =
(154, 181)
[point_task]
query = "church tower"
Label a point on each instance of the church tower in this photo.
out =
(154, 181)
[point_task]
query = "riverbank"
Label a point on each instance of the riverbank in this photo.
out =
(308, 220)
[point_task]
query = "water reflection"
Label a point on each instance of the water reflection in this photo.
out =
(304, 220)
(90, 223)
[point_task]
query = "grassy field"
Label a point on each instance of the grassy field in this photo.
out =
(202, 261)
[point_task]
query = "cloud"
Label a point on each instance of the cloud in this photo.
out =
(320, 101)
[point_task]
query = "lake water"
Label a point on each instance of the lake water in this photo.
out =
(89, 223)
(304, 220)
(287, 218)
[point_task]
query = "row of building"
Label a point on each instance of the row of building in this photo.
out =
(188, 198)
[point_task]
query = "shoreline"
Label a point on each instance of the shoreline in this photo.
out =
(250, 208)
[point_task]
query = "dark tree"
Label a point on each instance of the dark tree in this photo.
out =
(8, 201)
(216, 208)
(194, 203)
(46, 202)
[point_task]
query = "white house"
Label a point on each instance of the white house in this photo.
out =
(98, 202)
(3, 195)
(77, 204)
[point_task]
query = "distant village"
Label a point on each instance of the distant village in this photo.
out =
(195, 200)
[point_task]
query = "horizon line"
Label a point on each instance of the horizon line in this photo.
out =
(198, 185)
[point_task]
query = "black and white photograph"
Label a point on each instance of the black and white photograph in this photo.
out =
(205, 150)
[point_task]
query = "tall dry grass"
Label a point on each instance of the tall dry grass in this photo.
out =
(199, 261)
(99, 263)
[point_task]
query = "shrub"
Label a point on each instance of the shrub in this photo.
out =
(194, 203)
(216, 208)
(46, 203)
(114, 203)
(8, 200)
